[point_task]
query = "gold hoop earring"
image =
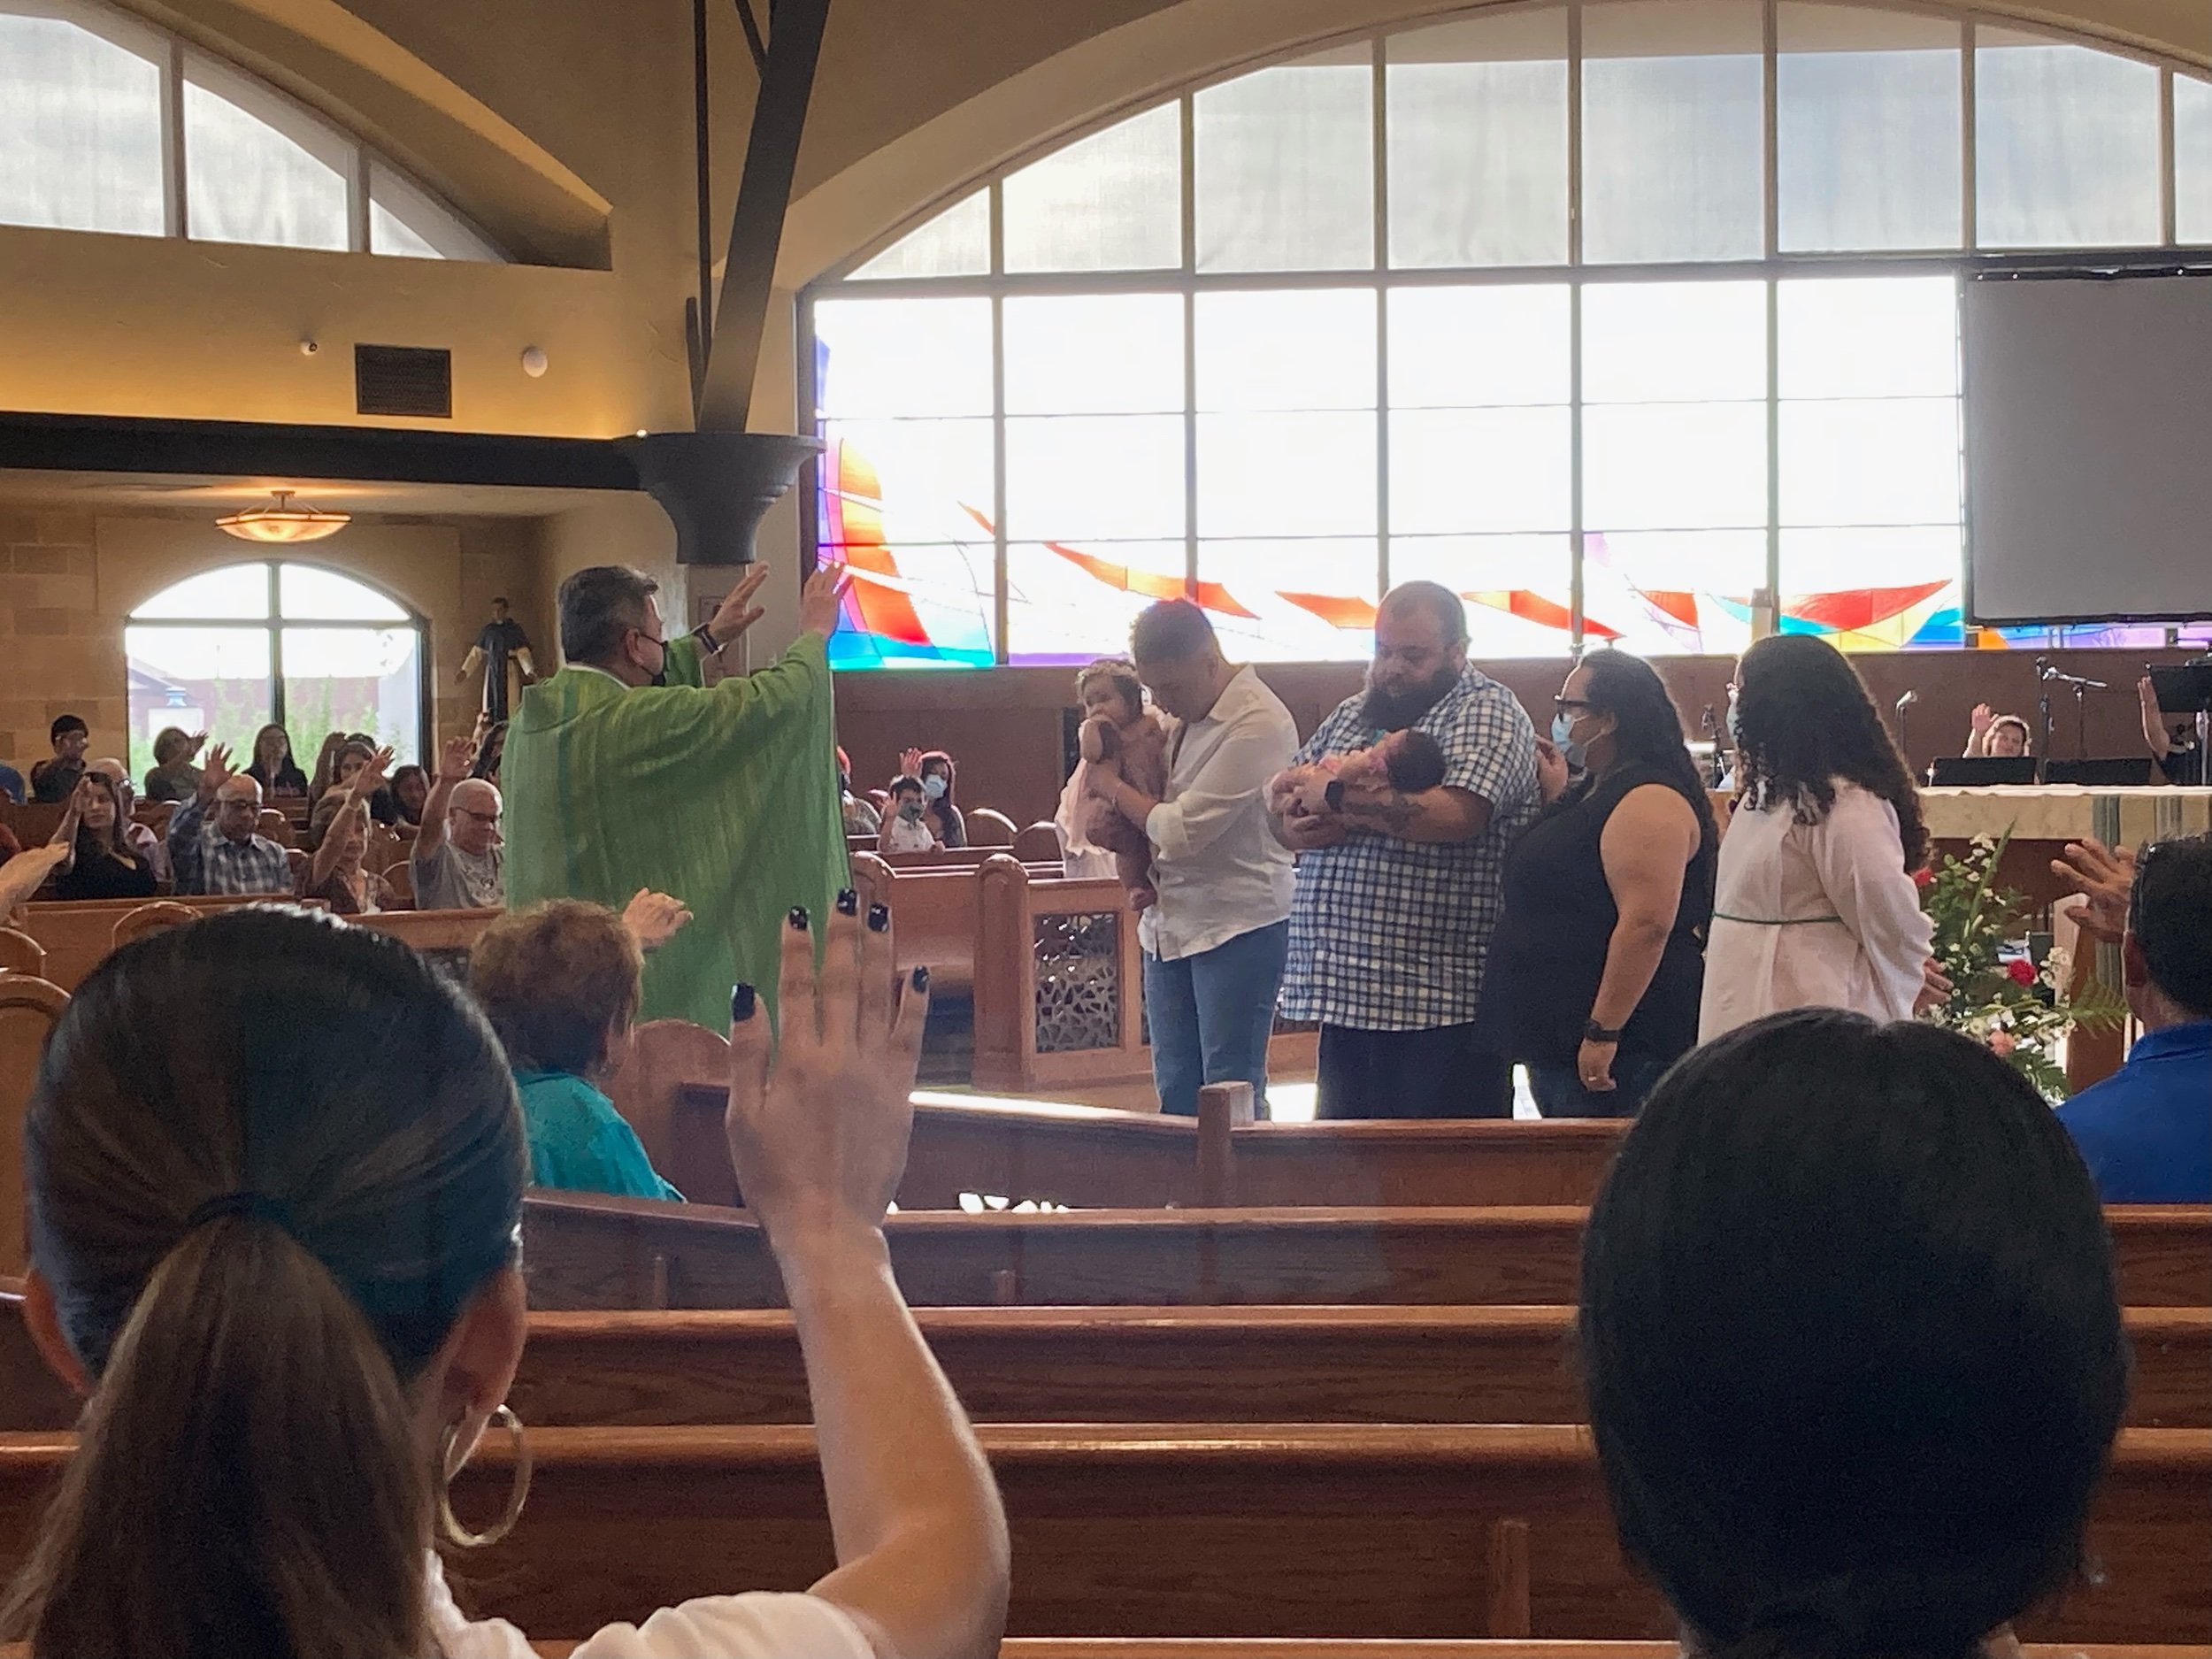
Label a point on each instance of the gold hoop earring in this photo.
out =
(517, 1496)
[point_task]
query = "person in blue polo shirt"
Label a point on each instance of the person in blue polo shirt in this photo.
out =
(2145, 1131)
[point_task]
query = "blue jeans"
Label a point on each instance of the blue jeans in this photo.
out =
(1559, 1092)
(1211, 1015)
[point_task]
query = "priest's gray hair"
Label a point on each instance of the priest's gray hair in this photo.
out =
(598, 605)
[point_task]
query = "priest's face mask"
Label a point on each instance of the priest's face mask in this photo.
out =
(645, 649)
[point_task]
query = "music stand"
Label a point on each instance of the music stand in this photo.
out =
(2118, 772)
(1981, 772)
(2186, 690)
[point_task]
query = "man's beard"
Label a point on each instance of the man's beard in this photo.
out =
(1394, 712)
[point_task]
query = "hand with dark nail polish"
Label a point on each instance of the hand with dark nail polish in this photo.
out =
(798, 918)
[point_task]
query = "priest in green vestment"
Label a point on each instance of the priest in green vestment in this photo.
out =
(624, 770)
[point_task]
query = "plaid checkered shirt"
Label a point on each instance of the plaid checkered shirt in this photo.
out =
(1388, 934)
(207, 861)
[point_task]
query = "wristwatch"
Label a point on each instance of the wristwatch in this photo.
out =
(706, 642)
(1592, 1031)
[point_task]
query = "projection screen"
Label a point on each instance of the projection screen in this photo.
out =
(2088, 447)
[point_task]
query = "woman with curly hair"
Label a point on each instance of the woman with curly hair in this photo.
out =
(1816, 904)
(559, 982)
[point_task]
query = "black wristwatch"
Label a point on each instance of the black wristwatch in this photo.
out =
(1592, 1031)
(707, 646)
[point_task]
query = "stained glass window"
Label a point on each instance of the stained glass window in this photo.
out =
(1351, 318)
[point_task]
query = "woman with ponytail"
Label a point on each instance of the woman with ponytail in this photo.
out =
(288, 1289)
(1851, 1343)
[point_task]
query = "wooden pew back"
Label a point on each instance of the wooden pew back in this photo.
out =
(20, 953)
(77, 933)
(30, 1007)
(1167, 1364)
(1260, 1530)
(589, 1251)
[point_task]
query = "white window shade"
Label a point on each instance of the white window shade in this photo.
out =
(2192, 160)
(406, 219)
(956, 242)
(1477, 143)
(2065, 145)
(259, 169)
(80, 124)
(1284, 173)
(1111, 202)
(1867, 130)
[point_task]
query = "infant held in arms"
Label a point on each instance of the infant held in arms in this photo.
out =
(1408, 761)
(1119, 728)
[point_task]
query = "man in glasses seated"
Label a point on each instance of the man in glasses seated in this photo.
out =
(458, 855)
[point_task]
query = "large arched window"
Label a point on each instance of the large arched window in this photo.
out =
(109, 124)
(1615, 316)
(230, 650)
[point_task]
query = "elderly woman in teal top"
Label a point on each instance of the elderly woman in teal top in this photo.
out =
(559, 981)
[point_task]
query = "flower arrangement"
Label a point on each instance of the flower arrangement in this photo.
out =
(2020, 1012)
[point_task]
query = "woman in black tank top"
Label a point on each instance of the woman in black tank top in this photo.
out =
(1596, 967)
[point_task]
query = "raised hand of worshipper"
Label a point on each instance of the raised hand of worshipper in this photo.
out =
(2104, 875)
(217, 772)
(653, 919)
(822, 599)
(737, 611)
(370, 778)
(818, 1133)
(458, 756)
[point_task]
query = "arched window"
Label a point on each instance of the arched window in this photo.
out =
(1613, 315)
(109, 124)
(230, 650)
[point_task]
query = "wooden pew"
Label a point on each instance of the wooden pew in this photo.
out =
(1474, 1364)
(77, 933)
(20, 953)
(584, 1250)
(446, 937)
(1148, 1530)
(676, 1082)
(936, 917)
(30, 1007)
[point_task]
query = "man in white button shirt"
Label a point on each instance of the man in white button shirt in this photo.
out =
(1214, 944)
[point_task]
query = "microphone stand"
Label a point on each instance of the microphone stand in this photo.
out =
(2043, 673)
(2082, 689)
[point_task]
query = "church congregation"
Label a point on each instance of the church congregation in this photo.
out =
(1362, 829)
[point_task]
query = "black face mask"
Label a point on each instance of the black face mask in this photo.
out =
(660, 679)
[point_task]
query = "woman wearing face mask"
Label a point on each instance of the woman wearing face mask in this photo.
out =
(1815, 903)
(1595, 968)
(937, 776)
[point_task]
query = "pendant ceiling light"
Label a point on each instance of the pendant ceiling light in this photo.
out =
(282, 521)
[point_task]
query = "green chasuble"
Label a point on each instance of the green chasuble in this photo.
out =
(724, 797)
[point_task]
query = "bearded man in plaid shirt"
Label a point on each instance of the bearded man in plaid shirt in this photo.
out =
(1397, 894)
